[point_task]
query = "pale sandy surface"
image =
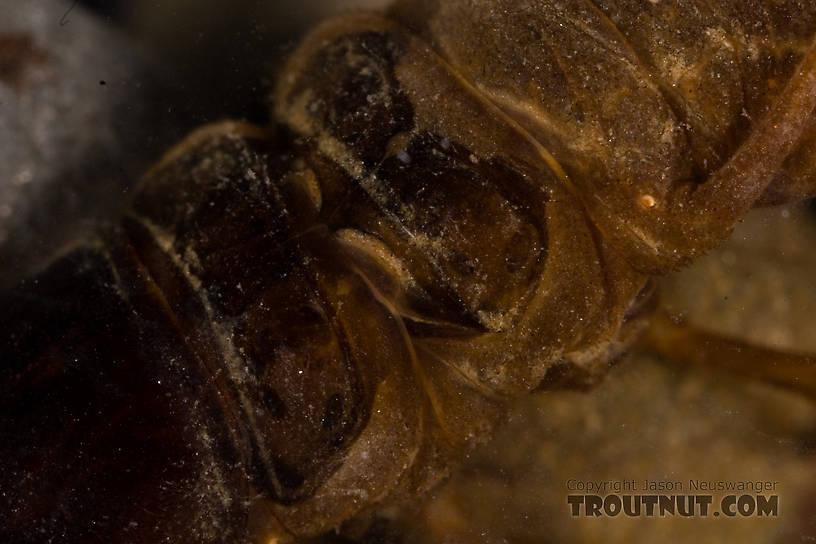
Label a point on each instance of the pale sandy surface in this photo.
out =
(661, 421)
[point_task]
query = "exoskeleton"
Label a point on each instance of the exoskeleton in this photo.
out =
(458, 202)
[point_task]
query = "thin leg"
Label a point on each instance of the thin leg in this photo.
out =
(795, 181)
(685, 343)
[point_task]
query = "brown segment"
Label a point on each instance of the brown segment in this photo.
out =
(217, 203)
(302, 351)
(468, 220)
(355, 95)
(428, 197)
(637, 98)
(301, 370)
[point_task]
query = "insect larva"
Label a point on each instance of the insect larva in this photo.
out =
(296, 325)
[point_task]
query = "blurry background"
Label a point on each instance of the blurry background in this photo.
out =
(221, 54)
(92, 92)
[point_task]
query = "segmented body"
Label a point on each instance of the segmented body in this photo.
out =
(460, 201)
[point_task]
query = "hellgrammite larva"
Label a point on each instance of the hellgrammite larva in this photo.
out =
(458, 202)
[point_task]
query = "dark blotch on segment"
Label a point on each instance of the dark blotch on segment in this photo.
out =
(309, 316)
(288, 477)
(333, 415)
(360, 101)
(273, 404)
